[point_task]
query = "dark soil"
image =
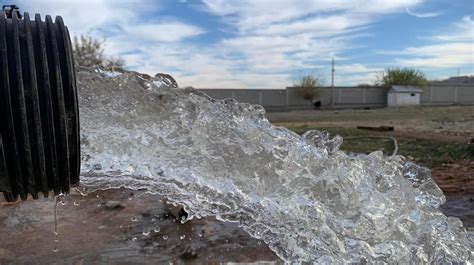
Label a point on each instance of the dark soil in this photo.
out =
(119, 227)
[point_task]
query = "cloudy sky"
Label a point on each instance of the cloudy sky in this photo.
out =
(269, 43)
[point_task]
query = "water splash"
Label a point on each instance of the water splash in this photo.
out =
(58, 200)
(306, 199)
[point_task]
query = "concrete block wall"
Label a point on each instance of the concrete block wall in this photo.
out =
(344, 97)
(447, 95)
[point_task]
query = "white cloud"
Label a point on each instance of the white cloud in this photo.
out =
(81, 17)
(162, 32)
(422, 15)
(355, 68)
(356, 79)
(281, 36)
(461, 31)
(268, 39)
(248, 14)
(453, 49)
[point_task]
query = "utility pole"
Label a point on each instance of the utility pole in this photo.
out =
(332, 84)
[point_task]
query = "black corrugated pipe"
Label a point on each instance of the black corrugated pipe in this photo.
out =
(39, 117)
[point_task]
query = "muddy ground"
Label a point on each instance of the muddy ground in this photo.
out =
(119, 227)
(130, 227)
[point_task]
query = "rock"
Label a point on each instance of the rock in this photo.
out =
(146, 212)
(177, 212)
(111, 205)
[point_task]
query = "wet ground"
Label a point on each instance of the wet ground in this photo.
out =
(457, 182)
(127, 227)
(119, 227)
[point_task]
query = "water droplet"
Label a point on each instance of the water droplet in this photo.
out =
(156, 229)
(200, 235)
(76, 203)
(165, 237)
(182, 237)
(55, 250)
(259, 242)
(134, 238)
(146, 231)
(134, 219)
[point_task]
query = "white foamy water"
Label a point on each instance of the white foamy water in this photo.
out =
(306, 199)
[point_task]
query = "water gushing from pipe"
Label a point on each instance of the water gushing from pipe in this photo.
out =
(306, 199)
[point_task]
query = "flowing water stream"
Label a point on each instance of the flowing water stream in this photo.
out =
(306, 199)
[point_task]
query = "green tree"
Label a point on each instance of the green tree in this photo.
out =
(89, 52)
(401, 76)
(308, 86)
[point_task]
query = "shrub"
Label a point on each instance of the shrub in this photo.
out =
(88, 52)
(401, 76)
(309, 86)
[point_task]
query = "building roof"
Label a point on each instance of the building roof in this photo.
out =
(405, 89)
(455, 80)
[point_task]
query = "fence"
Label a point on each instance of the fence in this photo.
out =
(344, 97)
(447, 95)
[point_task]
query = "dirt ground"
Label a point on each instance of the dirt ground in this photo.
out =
(448, 124)
(457, 182)
(120, 227)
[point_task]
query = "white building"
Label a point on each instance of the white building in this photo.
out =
(403, 96)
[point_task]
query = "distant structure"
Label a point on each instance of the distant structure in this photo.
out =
(399, 96)
(455, 80)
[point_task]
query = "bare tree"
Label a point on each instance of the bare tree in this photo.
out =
(308, 86)
(89, 52)
(114, 62)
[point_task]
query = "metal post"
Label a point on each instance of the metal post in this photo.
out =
(332, 84)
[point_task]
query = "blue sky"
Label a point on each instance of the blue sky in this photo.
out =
(263, 43)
